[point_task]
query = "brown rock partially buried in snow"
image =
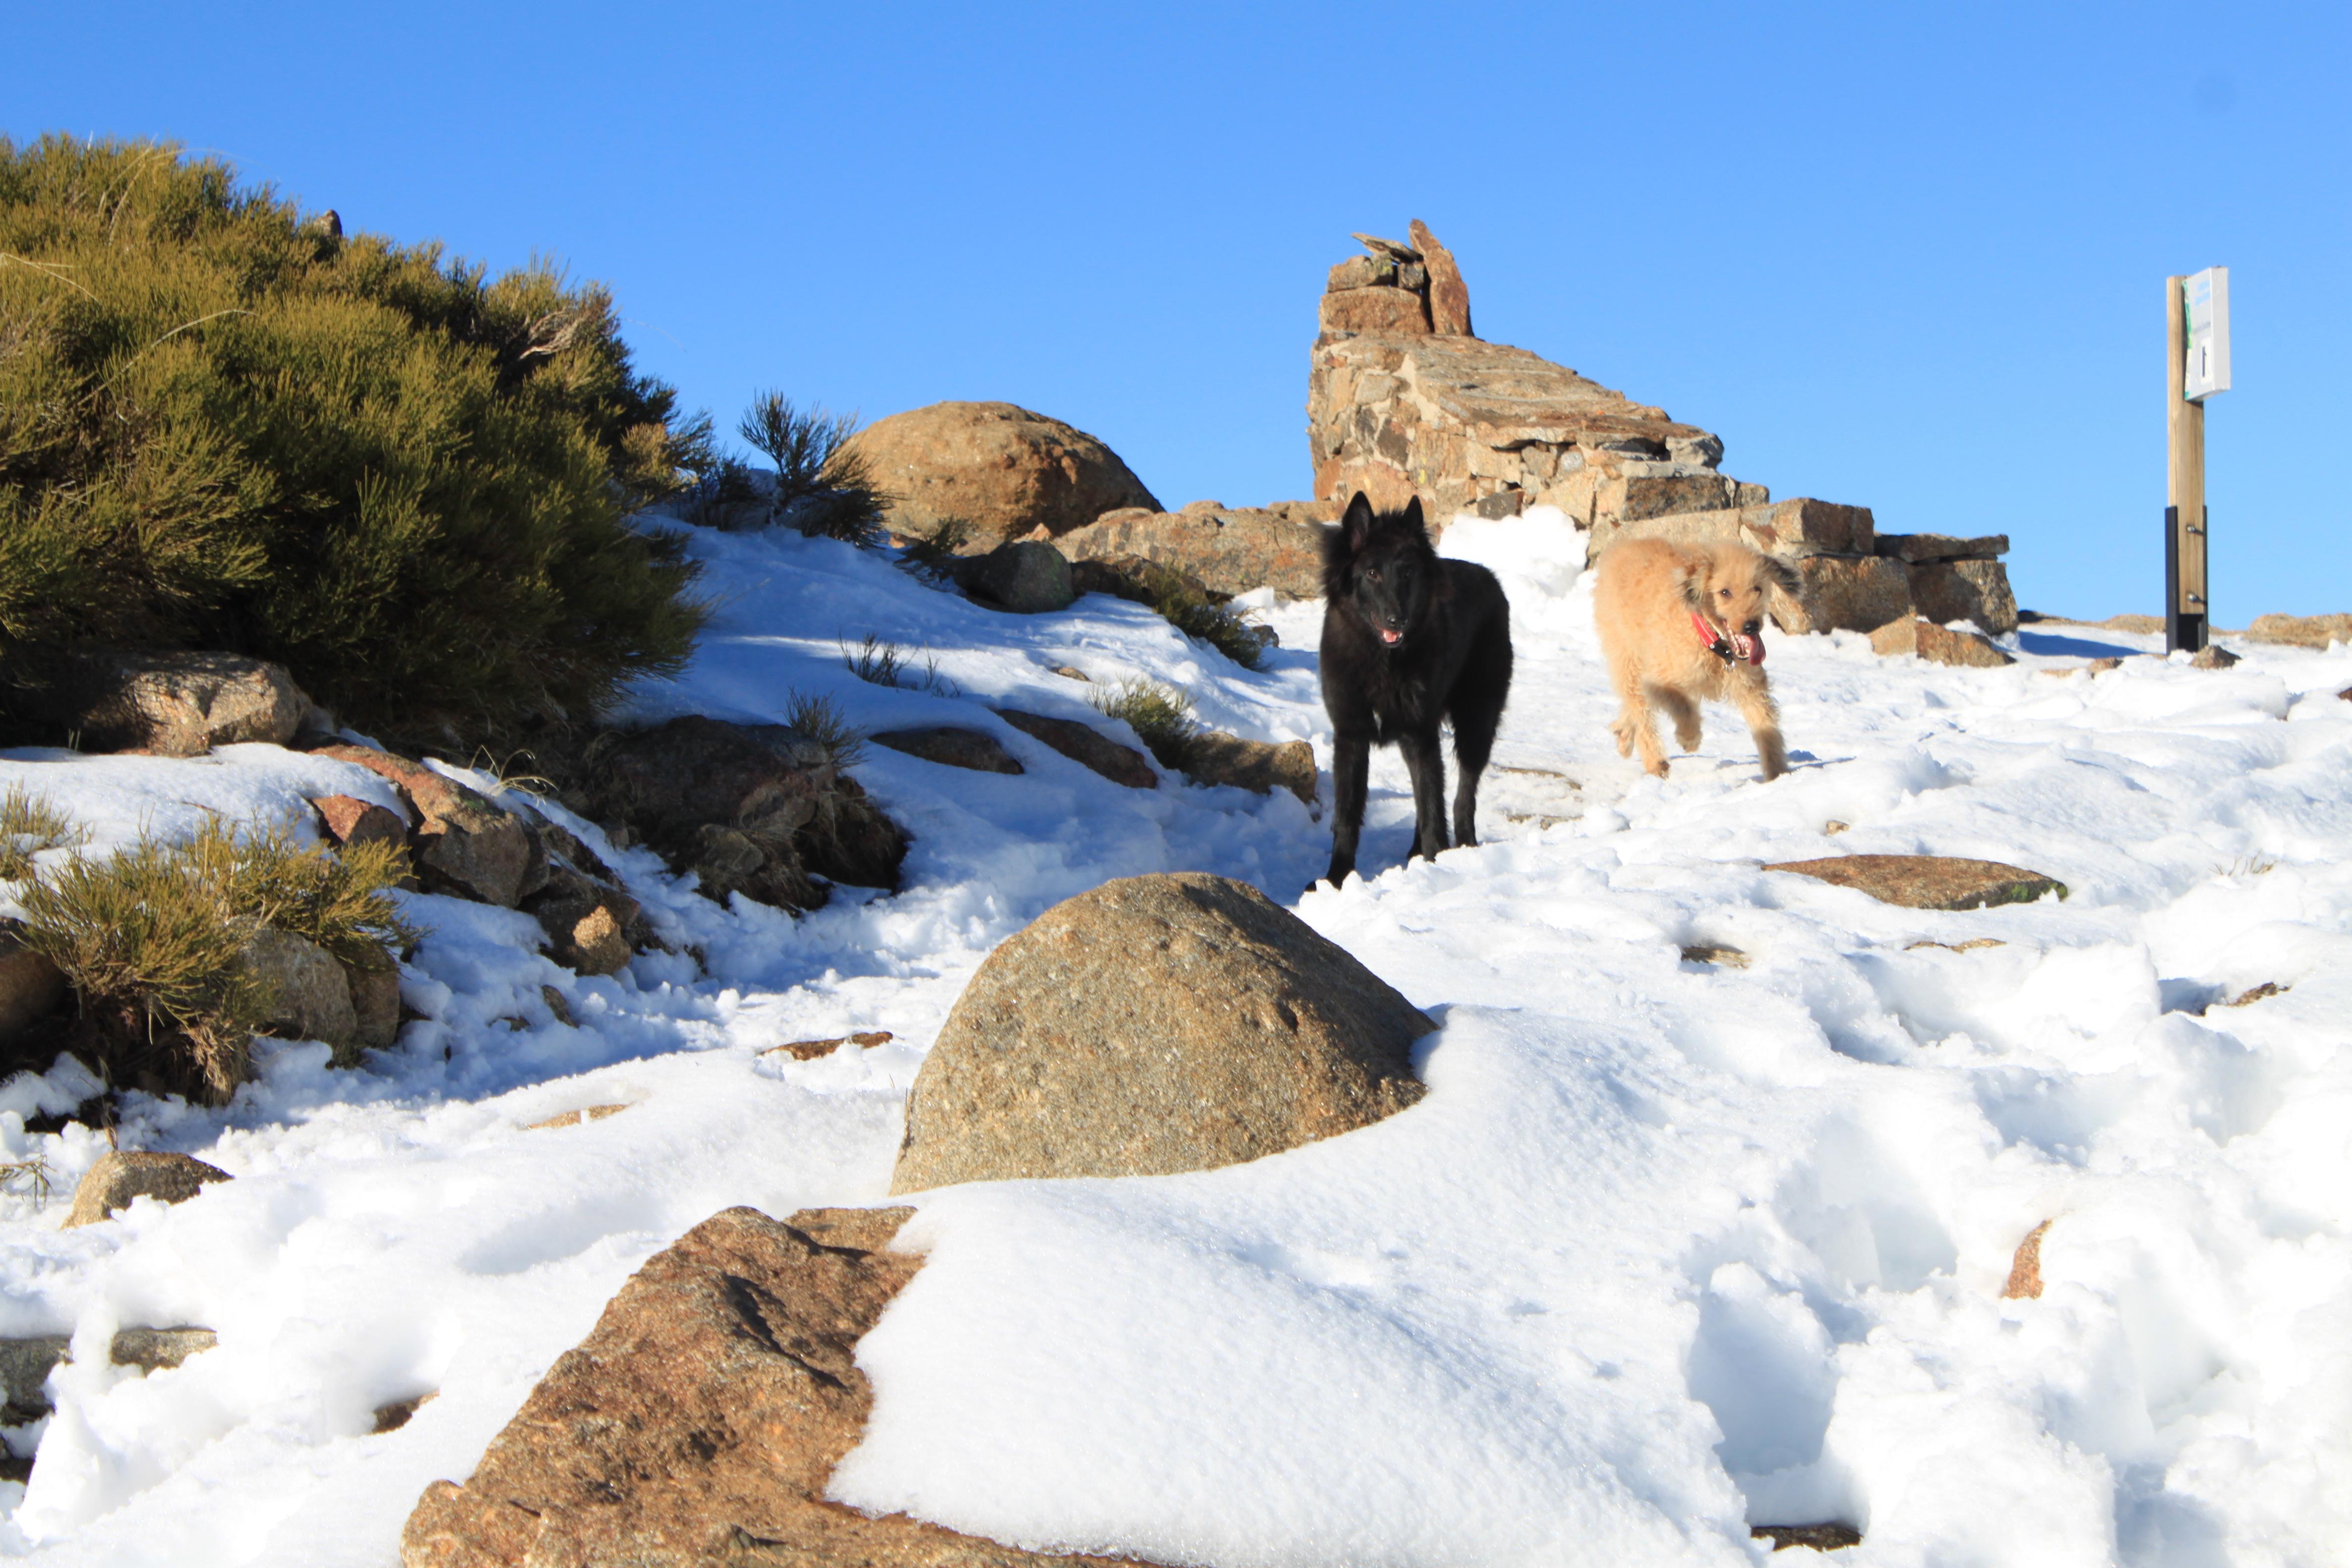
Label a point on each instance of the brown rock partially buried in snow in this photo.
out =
(2025, 1269)
(1928, 881)
(1936, 644)
(123, 1175)
(698, 1424)
(1088, 746)
(1157, 1024)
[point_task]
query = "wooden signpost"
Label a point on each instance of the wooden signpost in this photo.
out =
(2196, 365)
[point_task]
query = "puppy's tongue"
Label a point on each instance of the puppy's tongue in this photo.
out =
(1390, 636)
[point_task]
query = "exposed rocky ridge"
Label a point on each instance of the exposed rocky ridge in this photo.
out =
(698, 1424)
(1229, 550)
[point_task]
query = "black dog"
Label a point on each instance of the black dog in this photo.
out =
(1409, 641)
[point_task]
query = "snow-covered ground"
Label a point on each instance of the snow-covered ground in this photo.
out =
(1671, 1246)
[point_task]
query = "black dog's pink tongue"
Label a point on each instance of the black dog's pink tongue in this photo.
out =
(1390, 636)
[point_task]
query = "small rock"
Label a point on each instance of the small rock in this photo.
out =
(558, 1006)
(1214, 757)
(2025, 1269)
(1936, 644)
(1916, 547)
(154, 1350)
(587, 922)
(1928, 881)
(376, 1003)
(1833, 826)
(1708, 952)
(312, 999)
(1156, 1024)
(1830, 1536)
(579, 1118)
(32, 988)
(122, 1175)
(1088, 746)
(1027, 577)
(350, 820)
(392, 1417)
(2262, 993)
(1373, 311)
(2212, 655)
(1970, 945)
(1393, 250)
(1069, 673)
(951, 747)
(810, 1050)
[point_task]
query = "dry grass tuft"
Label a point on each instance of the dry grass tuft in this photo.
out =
(29, 825)
(1160, 716)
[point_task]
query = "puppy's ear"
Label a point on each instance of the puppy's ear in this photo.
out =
(1781, 575)
(1356, 525)
(1691, 578)
(1412, 517)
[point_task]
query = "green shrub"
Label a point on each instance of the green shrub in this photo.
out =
(29, 825)
(822, 488)
(223, 427)
(934, 554)
(821, 720)
(152, 939)
(1160, 716)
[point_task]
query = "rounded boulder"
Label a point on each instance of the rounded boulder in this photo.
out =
(1155, 1024)
(998, 466)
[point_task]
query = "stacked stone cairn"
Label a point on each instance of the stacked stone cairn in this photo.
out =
(1402, 399)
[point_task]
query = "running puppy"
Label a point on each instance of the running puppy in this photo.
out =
(1683, 622)
(1409, 641)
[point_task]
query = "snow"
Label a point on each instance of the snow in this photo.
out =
(1670, 1248)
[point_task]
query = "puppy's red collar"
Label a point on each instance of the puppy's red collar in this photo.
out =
(1728, 646)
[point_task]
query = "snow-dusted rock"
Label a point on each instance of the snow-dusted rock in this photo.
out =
(1936, 644)
(1214, 757)
(1085, 745)
(463, 843)
(699, 1423)
(1157, 1024)
(122, 1175)
(952, 746)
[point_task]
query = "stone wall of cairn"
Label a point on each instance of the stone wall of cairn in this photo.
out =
(1402, 399)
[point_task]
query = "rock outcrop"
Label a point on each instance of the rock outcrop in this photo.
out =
(760, 809)
(1085, 745)
(1936, 644)
(122, 1175)
(698, 1424)
(1229, 550)
(1156, 1024)
(952, 746)
(463, 843)
(999, 467)
(1402, 400)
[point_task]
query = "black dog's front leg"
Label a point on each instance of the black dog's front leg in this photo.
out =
(1351, 757)
(1426, 764)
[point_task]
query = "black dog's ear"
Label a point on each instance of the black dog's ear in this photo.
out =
(1356, 524)
(1413, 520)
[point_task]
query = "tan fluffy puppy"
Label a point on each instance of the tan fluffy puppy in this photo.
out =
(1686, 622)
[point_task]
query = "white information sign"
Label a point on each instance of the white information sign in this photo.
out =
(2207, 369)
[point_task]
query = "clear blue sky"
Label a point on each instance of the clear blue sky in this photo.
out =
(1903, 256)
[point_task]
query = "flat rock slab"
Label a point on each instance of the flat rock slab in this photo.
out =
(1214, 757)
(1936, 644)
(1928, 881)
(1154, 1025)
(698, 1424)
(951, 747)
(26, 1363)
(1942, 546)
(1088, 746)
(122, 1175)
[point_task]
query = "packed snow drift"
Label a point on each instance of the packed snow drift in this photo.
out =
(1704, 1222)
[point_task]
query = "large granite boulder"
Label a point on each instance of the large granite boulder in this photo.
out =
(1156, 1024)
(997, 466)
(172, 704)
(698, 1424)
